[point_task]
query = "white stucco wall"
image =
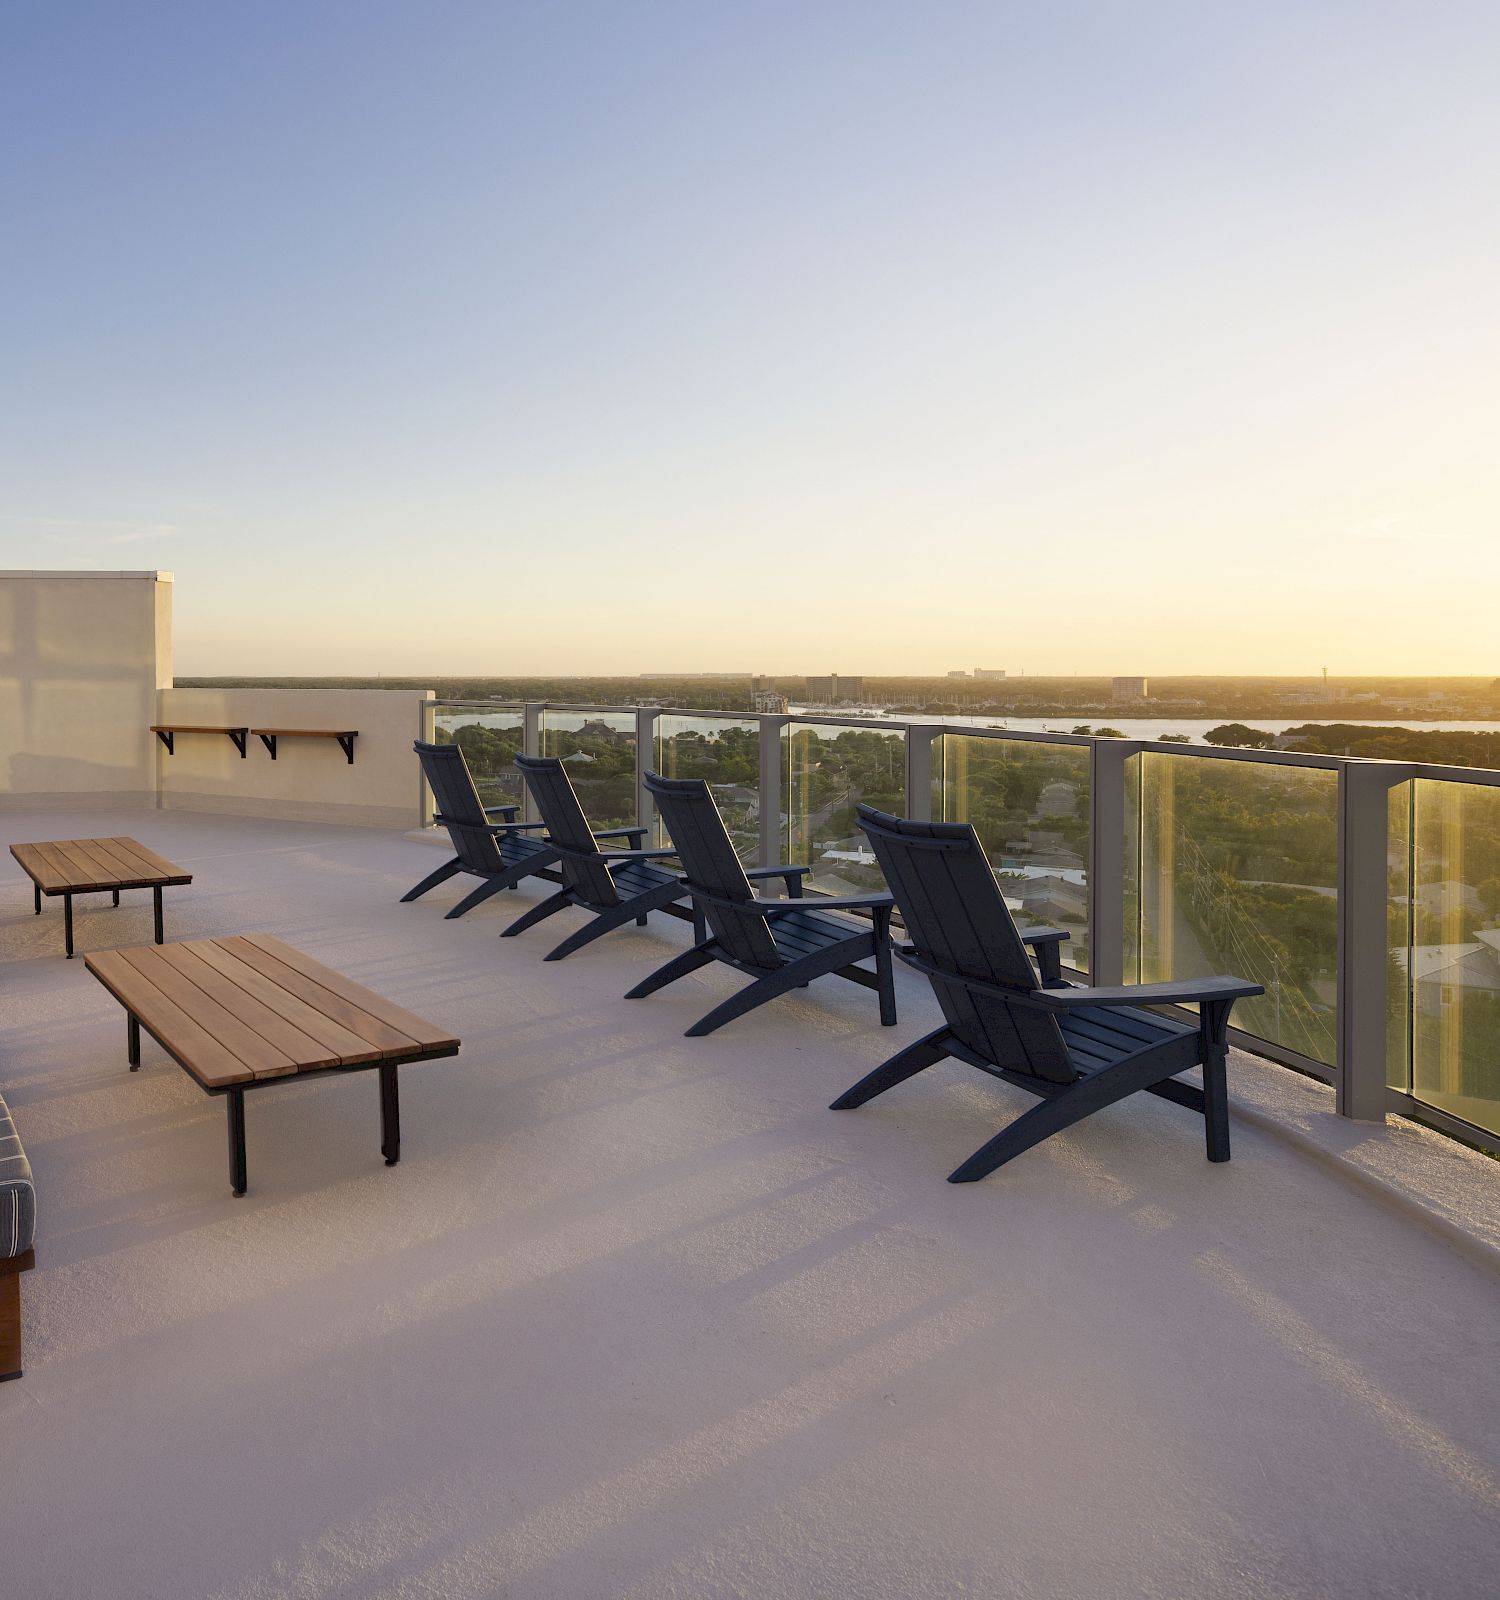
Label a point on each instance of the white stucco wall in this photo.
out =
(310, 780)
(82, 658)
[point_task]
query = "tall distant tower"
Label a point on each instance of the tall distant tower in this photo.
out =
(1325, 683)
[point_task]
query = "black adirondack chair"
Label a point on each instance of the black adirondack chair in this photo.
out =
(781, 944)
(498, 853)
(1080, 1049)
(618, 886)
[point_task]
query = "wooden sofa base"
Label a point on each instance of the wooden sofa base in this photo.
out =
(11, 1269)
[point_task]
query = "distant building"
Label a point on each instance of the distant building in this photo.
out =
(989, 672)
(769, 702)
(760, 683)
(1124, 690)
(834, 690)
(960, 673)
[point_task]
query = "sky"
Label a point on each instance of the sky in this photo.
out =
(1093, 336)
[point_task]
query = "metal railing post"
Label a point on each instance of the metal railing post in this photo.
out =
(645, 761)
(1363, 937)
(919, 768)
(1107, 845)
(771, 730)
(427, 725)
(531, 745)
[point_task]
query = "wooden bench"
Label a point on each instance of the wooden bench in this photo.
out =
(345, 737)
(241, 1013)
(95, 866)
(167, 733)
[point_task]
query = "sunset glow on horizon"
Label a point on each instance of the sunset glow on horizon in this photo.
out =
(485, 339)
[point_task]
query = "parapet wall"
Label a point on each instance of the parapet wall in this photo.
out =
(310, 780)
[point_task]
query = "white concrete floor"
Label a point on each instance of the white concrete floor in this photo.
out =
(637, 1316)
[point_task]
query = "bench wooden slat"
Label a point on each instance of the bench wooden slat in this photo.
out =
(302, 1049)
(194, 1046)
(108, 873)
(119, 861)
(173, 873)
(387, 1040)
(259, 1055)
(308, 733)
(348, 1045)
(52, 870)
(406, 1023)
(191, 727)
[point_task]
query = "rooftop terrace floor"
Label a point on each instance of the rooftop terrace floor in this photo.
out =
(637, 1316)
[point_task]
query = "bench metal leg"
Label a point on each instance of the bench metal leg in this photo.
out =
(237, 1178)
(68, 925)
(36, 897)
(156, 907)
(390, 1116)
(132, 1042)
(116, 894)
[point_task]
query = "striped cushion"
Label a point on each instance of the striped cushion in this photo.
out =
(17, 1196)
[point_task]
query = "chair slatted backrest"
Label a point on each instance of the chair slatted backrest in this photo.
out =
(958, 922)
(459, 807)
(558, 805)
(709, 862)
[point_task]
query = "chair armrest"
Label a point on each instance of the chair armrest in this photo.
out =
(1204, 990)
(632, 855)
(848, 902)
(509, 811)
(792, 875)
(784, 908)
(1047, 943)
(492, 827)
(621, 833)
(1182, 992)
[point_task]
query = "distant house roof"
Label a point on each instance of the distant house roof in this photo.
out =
(1472, 965)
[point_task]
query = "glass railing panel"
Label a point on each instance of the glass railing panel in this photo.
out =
(1130, 859)
(1238, 874)
(489, 736)
(826, 770)
(1453, 956)
(1029, 803)
(598, 749)
(1398, 929)
(725, 752)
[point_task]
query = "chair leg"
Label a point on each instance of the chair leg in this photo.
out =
(904, 1064)
(887, 981)
(475, 897)
(751, 996)
(1072, 1104)
(678, 967)
(541, 910)
(433, 879)
(604, 922)
(1216, 1105)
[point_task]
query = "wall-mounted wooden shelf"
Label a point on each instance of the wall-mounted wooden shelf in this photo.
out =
(345, 737)
(167, 735)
